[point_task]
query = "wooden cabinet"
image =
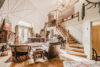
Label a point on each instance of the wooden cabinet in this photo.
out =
(3, 37)
(6, 37)
(31, 40)
(54, 49)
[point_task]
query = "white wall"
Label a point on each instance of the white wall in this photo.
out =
(75, 29)
(87, 38)
(82, 30)
(96, 23)
(74, 26)
(91, 15)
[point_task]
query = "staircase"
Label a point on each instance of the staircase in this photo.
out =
(73, 46)
(71, 39)
(61, 29)
(76, 50)
(67, 35)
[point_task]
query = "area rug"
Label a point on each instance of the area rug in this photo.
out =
(81, 64)
(9, 60)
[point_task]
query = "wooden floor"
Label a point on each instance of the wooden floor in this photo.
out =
(22, 64)
(12, 64)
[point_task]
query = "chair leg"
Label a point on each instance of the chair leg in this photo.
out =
(43, 56)
(34, 58)
(96, 59)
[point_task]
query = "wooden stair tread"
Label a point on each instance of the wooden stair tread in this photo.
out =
(71, 40)
(72, 43)
(76, 50)
(67, 59)
(73, 57)
(77, 54)
(76, 46)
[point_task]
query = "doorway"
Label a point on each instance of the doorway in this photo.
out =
(95, 39)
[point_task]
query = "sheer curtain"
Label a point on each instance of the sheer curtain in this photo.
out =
(20, 35)
(25, 35)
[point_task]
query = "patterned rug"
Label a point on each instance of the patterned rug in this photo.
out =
(82, 64)
(9, 60)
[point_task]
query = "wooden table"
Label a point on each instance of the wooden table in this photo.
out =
(20, 52)
(24, 49)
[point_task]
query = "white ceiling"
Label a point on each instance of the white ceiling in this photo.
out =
(31, 11)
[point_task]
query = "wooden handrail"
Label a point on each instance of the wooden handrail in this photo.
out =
(66, 33)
